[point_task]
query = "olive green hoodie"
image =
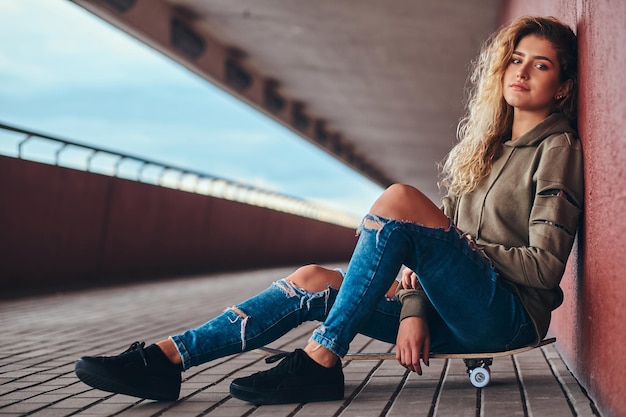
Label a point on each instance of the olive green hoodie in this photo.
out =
(524, 216)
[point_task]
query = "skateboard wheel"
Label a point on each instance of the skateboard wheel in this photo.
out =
(480, 377)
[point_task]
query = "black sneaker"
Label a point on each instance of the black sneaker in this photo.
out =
(297, 379)
(136, 372)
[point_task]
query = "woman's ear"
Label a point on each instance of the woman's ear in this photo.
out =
(564, 89)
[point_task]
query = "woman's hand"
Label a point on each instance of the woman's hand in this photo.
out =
(413, 339)
(409, 279)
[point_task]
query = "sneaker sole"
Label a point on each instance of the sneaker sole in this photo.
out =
(266, 397)
(101, 379)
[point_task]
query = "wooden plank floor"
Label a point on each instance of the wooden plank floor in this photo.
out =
(43, 336)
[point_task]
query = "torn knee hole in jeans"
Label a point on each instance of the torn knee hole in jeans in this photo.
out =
(243, 317)
(371, 222)
(306, 297)
(287, 287)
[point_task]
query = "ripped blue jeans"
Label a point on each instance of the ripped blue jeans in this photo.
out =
(474, 310)
(253, 323)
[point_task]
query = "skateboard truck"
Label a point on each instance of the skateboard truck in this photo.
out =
(478, 371)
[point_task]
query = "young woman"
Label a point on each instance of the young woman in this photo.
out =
(480, 275)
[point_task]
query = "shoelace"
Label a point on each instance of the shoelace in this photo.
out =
(292, 361)
(138, 346)
(277, 357)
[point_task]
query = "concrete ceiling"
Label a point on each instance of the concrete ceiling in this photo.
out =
(379, 84)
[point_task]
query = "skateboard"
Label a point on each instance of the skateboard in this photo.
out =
(477, 364)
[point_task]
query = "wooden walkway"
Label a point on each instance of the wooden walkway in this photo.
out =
(43, 336)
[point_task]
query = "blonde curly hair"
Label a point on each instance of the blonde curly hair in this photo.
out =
(489, 118)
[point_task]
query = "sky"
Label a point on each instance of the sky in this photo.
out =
(67, 73)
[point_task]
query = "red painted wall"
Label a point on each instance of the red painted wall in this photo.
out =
(591, 325)
(61, 227)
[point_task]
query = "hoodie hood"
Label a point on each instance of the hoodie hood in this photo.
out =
(554, 123)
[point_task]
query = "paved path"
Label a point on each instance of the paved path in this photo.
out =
(43, 336)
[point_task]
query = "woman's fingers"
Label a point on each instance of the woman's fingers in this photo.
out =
(409, 279)
(413, 339)
(410, 359)
(426, 351)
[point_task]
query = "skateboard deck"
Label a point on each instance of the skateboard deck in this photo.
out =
(477, 363)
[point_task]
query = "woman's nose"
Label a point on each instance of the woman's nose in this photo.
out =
(521, 74)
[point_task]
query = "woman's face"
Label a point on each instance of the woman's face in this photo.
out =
(531, 82)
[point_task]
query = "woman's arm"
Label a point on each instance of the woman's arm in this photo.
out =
(554, 217)
(413, 339)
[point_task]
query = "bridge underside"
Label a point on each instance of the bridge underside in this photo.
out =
(379, 85)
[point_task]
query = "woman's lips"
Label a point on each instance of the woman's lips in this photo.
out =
(519, 87)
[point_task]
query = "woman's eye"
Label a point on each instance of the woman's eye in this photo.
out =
(516, 61)
(541, 66)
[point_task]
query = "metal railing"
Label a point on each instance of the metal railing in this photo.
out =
(72, 154)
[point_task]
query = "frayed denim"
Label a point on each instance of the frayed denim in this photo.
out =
(253, 323)
(474, 309)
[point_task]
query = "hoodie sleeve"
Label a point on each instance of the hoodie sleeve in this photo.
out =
(554, 216)
(448, 206)
(414, 302)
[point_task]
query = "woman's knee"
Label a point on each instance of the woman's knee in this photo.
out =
(407, 203)
(315, 278)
